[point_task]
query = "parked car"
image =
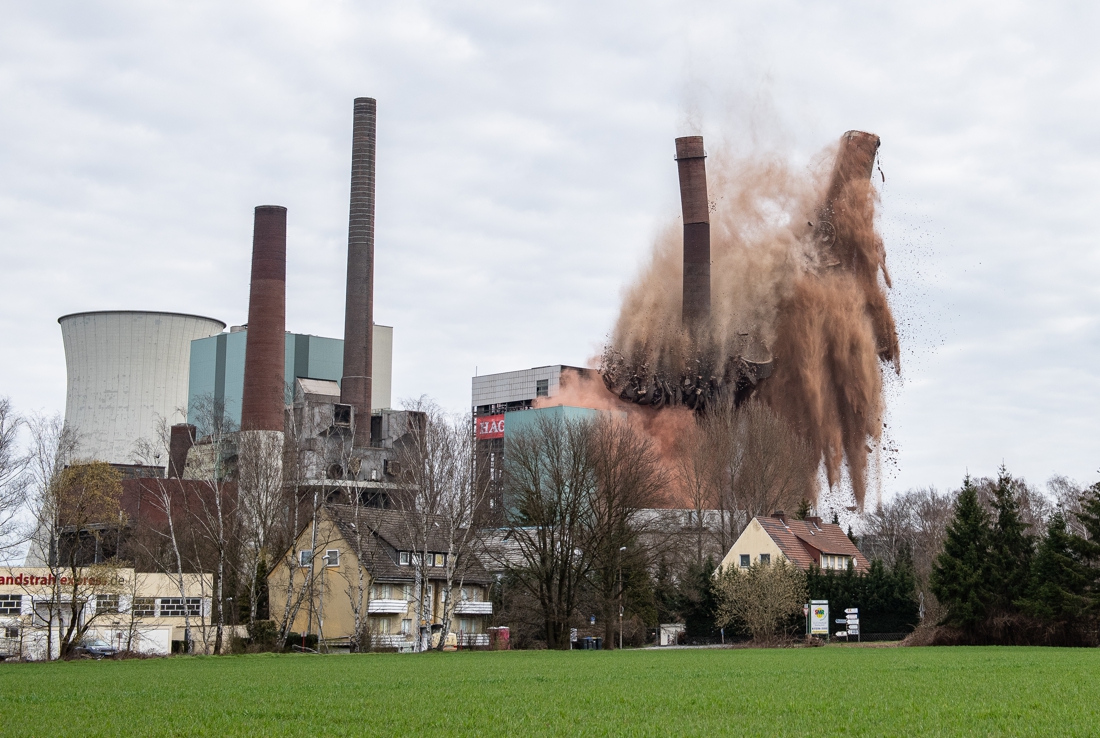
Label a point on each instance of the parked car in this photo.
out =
(97, 648)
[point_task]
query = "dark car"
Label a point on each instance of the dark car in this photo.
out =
(97, 648)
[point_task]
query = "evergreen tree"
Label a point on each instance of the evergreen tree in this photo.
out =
(960, 575)
(804, 509)
(1010, 548)
(1059, 580)
(1088, 546)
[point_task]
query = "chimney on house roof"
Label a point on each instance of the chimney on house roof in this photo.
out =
(780, 515)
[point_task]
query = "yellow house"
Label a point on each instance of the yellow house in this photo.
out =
(382, 545)
(132, 611)
(804, 543)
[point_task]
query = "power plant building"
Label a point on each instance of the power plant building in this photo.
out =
(217, 368)
(126, 370)
(495, 397)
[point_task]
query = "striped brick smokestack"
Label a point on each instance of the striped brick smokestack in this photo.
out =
(265, 348)
(691, 161)
(355, 387)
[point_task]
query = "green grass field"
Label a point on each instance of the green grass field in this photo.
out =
(806, 692)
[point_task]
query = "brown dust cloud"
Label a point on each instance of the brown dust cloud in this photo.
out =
(798, 276)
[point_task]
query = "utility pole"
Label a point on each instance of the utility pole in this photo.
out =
(621, 549)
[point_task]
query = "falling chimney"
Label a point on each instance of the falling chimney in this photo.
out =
(691, 161)
(180, 442)
(855, 159)
(355, 387)
(265, 346)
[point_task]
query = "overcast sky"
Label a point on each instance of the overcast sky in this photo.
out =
(525, 167)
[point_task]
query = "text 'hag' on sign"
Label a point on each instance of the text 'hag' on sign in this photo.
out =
(491, 426)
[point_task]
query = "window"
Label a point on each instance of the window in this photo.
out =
(11, 604)
(439, 559)
(471, 594)
(144, 607)
(382, 626)
(542, 388)
(304, 558)
(382, 592)
(106, 603)
(406, 592)
(12, 631)
(403, 558)
(745, 561)
(469, 625)
(765, 558)
(332, 557)
(406, 626)
(173, 607)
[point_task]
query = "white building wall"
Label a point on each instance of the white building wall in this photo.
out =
(382, 367)
(126, 368)
(491, 389)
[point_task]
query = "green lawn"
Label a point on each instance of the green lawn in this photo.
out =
(805, 692)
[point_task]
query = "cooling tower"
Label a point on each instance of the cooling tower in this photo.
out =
(355, 386)
(691, 162)
(263, 399)
(126, 369)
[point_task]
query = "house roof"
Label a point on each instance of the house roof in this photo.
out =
(804, 541)
(393, 531)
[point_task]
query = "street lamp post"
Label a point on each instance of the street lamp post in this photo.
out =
(621, 549)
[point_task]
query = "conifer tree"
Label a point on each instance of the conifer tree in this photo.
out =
(1087, 547)
(1059, 580)
(1011, 548)
(960, 576)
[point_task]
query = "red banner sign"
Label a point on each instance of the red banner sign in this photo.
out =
(490, 426)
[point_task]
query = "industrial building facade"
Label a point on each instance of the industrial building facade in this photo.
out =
(217, 368)
(494, 397)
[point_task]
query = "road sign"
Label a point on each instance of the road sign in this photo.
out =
(853, 629)
(841, 633)
(840, 621)
(852, 611)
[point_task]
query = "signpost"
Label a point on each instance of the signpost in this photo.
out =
(851, 617)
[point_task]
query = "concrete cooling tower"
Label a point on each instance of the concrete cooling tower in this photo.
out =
(125, 369)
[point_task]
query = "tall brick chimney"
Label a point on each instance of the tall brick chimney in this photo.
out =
(691, 162)
(265, 348)
(355, 387)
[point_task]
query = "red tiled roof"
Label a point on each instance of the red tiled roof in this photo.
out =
(803, 541)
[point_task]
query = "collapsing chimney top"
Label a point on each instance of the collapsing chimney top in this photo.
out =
(699, 378)
(691, 162)
(355, 387)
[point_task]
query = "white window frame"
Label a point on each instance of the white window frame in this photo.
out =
(403, 558)
(305, 558)
(330, 555)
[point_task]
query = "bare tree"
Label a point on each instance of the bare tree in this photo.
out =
(629, 479)
(770, 466)
(698, 473)
(550, 483)
(437, 462)
(15, 482)
(260, 456)
(1066, 494)
(52, 447)
(80, 512)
